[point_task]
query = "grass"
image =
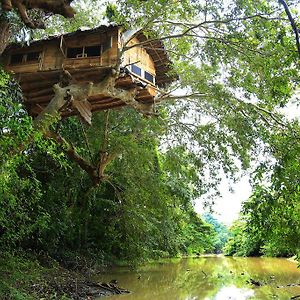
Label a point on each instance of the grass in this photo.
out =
(29, 276)
(22, 277)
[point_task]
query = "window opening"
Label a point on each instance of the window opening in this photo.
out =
(75, 52)
(33, 56)
(16, 59)
(136, 70)
(92, 51)
(149, 77)
(88, 51)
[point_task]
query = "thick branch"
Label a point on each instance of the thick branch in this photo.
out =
(293, 24)
(96, 174)
(5, 35)
(63, 96)
(61, 7)
(79, 92)
(75, 93)
(73, 155)
(187, 33)
(224, 21)
(105, 160)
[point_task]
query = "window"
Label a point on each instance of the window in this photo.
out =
(88, 51)
(142, 73)
(149, 77)
(92, 51)
(136, 70)
(33, 56)
(16, 59)
(75, 52)
(20, 58)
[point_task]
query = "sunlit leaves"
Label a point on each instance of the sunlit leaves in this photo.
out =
(273, 209)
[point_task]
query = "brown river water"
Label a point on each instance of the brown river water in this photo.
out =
(209, 278)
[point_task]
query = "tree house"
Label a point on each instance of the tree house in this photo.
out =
(140, 65)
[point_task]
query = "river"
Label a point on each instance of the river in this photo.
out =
(208, 278)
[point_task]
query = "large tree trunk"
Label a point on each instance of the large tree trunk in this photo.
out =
(73, 94)
(5, 35)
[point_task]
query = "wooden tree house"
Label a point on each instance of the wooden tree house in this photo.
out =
(111, 68)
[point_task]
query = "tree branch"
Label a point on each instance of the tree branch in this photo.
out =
(73, 155)
(293, 24)
(61, 7)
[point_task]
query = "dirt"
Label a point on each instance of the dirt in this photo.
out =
(75, 288)
(30, 275)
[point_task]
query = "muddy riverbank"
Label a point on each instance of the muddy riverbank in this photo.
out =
(35, 276)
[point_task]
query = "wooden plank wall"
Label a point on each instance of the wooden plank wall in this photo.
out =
(52, 57)
(107, 58)
(139, 55)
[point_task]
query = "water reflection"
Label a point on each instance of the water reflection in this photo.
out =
(209, 278)
(233, 293)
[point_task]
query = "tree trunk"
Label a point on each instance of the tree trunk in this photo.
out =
(5, 35)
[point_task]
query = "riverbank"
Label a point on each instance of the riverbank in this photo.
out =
(28, 275)
(38, 276)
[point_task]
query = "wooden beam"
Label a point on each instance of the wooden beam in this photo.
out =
(41, 99)
(42, 92)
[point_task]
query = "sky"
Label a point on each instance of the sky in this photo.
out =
(228, 206)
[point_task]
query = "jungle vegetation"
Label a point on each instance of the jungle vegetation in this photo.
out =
(238, 68)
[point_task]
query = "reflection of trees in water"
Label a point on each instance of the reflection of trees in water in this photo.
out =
(206, 276)
(283, 270)
(198, 281)
(185, 279)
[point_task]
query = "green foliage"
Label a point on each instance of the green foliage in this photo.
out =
(197, 236)
(221, 232)
(271, 214)
(243, 241)
(274, 205)
(238, 66)
(20, 192)
(15, 272)
(15, 125)
(143, 210)
(22, 215)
